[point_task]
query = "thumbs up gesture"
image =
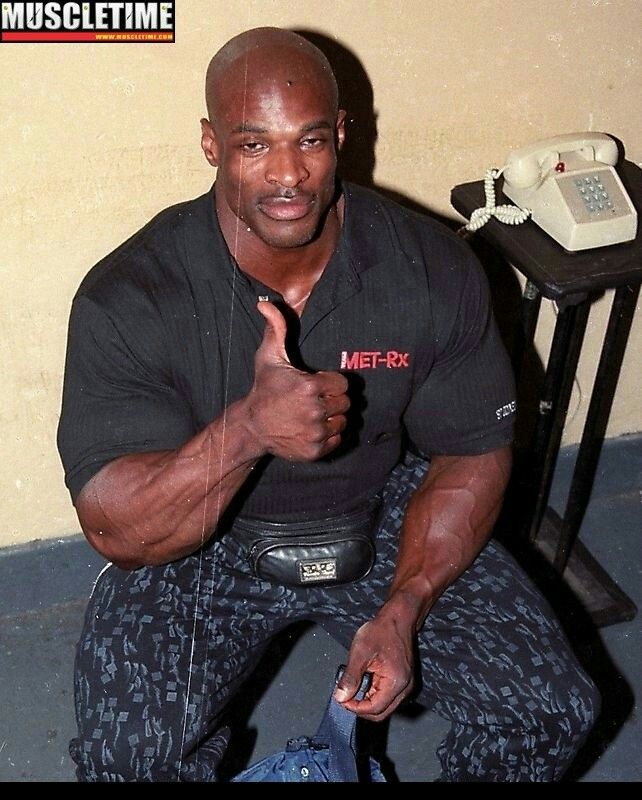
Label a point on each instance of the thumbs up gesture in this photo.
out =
(293, 414)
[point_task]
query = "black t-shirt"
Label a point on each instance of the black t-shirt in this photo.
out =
(163, 333)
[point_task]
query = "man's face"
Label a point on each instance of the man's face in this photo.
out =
(275, 145)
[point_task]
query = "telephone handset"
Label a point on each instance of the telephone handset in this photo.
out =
(569, 187)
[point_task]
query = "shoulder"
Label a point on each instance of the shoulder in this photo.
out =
(386, 230)
(152, 258)
(138, 296)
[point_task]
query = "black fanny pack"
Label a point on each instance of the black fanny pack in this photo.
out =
(329, 551)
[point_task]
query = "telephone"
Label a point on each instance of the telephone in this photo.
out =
(569, 187)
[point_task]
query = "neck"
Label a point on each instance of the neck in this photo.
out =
(292, 271)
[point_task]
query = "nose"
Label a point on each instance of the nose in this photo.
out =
(286, 167)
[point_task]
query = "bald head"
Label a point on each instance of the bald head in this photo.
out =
(262, 53)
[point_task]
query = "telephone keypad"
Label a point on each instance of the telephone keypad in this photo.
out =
(593, 193)
(593, 196)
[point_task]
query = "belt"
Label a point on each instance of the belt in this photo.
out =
(350, 520)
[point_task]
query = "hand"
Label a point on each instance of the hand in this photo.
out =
(293, 414)
(380, 647)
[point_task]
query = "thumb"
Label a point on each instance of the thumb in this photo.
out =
(273, 343)
(349, 683)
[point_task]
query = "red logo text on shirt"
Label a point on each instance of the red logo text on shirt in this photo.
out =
(374, 359)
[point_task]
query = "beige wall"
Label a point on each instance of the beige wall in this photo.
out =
(96, 138)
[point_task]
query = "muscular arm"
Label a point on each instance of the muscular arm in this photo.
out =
(448, 521)
(152, 508)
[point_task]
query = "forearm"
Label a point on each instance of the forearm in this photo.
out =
(152, 508)
(448, 521)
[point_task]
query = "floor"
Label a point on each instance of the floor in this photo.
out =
(42, 596)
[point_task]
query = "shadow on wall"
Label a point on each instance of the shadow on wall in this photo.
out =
(357, 159)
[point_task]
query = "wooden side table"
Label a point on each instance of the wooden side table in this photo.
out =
(573, 281)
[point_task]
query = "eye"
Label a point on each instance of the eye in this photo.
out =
(252, 148)
(311, 142)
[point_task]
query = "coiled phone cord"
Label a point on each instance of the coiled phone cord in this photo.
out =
(509, 215)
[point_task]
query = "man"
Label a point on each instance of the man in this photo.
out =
(285, 354)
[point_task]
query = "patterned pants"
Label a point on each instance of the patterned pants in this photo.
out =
(164, 649)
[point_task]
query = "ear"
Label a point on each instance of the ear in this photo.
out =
(341, 128)
(209, 143)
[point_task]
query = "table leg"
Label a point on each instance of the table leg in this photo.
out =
(606, 378)
(553, 405)
(556, 537)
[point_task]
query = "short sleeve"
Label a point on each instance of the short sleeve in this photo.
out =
(466, 404)
(117, 396)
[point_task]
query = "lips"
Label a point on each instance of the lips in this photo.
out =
(286, 208)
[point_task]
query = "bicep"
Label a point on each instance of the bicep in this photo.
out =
(491, 469)
(465, 492)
